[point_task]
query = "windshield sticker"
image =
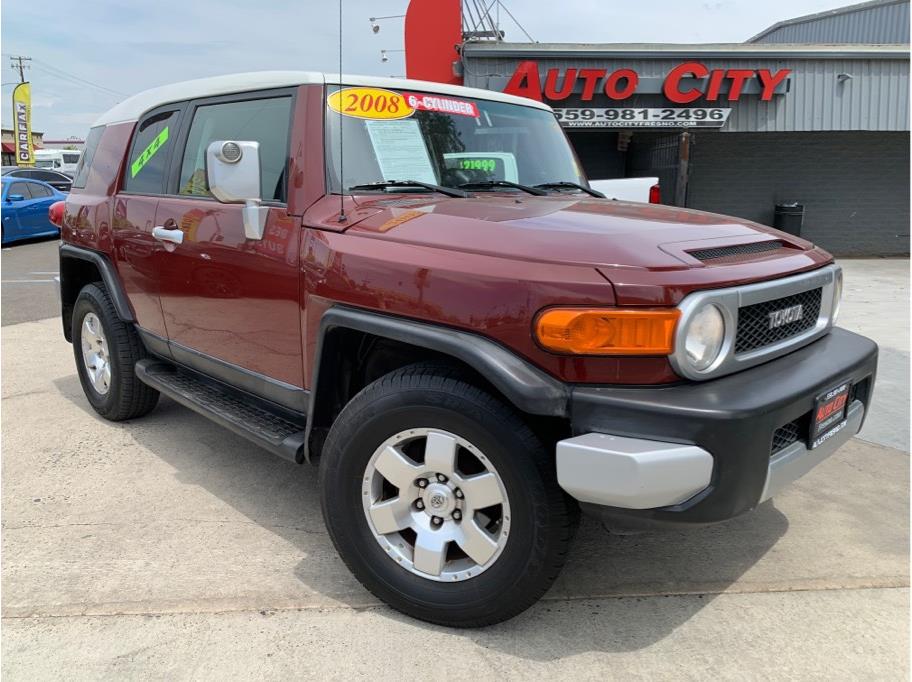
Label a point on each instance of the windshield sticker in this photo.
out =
(482, 166)
(149, 152)
(369, 103)
(444, 105)
(400, 150)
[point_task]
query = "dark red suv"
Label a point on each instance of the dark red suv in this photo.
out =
(414, 286)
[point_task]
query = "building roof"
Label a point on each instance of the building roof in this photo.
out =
(817, 16)
(134, 107)
(685, 50)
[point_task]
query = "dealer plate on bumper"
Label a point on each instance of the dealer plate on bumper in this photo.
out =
(829, 416)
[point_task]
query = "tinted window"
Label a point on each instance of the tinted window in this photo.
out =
(264, 120)
(41, 175)
(20, 188)
(82, 170)
(145, 171)
(39, 191)
(71, 157)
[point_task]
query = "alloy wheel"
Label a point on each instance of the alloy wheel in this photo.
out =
(436, 505)
(95, 353)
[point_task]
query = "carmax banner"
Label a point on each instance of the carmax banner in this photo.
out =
(22, 112)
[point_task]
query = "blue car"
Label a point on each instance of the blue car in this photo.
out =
(25, 207)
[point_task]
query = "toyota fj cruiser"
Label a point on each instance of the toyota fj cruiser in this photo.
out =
(413, 286)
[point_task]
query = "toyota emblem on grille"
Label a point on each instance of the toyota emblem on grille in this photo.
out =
(778, 318)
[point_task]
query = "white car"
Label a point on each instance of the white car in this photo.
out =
(645, 190)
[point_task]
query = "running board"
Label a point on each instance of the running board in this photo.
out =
(261, 426)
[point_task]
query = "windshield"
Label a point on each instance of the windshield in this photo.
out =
(449, 141)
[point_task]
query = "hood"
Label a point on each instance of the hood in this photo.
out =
(565, 229)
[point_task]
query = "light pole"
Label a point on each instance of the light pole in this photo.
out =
(375, 25)
(384, 55)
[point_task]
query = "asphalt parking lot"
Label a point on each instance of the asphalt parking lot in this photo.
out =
(168, 548)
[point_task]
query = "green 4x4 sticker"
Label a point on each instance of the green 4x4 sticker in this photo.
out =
(149, 152)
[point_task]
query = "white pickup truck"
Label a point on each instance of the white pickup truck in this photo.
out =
(645, 190)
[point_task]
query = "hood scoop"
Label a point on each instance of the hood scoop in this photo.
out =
(723, 255)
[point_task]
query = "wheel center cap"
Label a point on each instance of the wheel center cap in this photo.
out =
(439, 500)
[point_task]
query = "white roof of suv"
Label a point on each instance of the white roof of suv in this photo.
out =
(134, 107)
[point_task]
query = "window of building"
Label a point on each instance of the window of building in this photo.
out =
(262, 120)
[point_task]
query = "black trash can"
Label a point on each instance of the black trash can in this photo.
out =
(789, 218)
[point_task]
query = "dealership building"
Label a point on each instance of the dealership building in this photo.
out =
(812, 111)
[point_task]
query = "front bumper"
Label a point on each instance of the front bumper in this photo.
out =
(660, 439)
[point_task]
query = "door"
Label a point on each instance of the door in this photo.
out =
(231, 304)
(137, 252)
(42, 198)
(12, 209)
(31, 211)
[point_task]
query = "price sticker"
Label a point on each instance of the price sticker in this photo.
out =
(375, 104)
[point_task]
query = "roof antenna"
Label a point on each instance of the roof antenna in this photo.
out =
(342, 217)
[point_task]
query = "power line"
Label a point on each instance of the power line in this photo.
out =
(71, 81)
(53, 70)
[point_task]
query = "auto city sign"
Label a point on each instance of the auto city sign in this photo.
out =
(683, 84)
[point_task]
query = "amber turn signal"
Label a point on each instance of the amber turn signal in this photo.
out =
(607, 331)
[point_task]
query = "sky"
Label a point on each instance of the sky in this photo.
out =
(90, 54)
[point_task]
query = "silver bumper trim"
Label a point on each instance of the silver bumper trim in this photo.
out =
(631, 473)
(796, 460)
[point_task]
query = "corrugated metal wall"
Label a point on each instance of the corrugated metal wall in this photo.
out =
(883, 23)
(876, 97)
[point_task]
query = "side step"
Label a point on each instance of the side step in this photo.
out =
(252, 421)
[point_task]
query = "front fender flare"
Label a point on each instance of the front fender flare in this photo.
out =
(528, 388)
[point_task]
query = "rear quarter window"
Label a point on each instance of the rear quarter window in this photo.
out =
(85, 162)
(39, 191)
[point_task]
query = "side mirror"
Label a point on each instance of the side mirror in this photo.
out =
(233, 173)
(14, 197)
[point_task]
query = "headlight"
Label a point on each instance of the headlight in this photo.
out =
(837, 295)
(704, 336)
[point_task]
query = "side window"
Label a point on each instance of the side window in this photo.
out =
(39, 191)
(148, 161)
(85, 162)
(21, 188)
(263, 120)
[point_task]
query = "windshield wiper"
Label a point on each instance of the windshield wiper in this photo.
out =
(490, 184)
(430, 187)
(571, 185)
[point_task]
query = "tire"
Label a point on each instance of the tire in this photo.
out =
(541, 519)
(125, 396)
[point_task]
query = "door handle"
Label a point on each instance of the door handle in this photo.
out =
(163, 234)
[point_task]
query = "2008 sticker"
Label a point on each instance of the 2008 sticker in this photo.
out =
(370, 103)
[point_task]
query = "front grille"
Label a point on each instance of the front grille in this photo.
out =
(754, 321)
(728, 252)
(786, 435)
